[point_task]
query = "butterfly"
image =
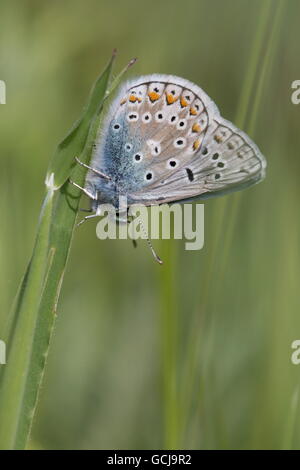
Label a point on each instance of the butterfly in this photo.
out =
(164, 141)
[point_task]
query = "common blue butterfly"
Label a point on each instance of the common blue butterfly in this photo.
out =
(164, 140)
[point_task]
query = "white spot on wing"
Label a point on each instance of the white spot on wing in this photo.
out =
(154, 146)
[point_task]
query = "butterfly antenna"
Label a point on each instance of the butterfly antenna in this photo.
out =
(155, 255)
(116, 81)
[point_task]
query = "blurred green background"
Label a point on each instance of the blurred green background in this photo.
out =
(194, 354)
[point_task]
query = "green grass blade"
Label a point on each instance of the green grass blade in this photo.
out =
(13, 379)
(289, 428)
(253, 64)
(255, 79)
(32, 321)
(169, 344)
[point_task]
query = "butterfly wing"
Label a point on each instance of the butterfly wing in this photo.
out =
(164, 140)
(227, 161)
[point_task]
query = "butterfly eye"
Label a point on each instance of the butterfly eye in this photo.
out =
(146, 117)
(172, 163)
(117, 127)
(149, 176)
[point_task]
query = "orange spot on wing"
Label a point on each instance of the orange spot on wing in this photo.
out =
(183, 102)
(133, 99)
(193, 112)
(218, 138)
(153, 96)
(171, 98)
(196, 144)
(196, 127)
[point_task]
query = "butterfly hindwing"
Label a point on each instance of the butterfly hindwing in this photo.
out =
(227, 161)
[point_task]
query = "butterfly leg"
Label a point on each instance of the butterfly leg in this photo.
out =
(127, 220)
(155, 255)
(85, 191)
(97, 172)
(86, 218)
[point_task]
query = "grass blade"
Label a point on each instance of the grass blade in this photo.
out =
(32, 321)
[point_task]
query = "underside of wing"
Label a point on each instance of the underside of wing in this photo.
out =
(165, 141)
(227, 161)
(155, 125)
